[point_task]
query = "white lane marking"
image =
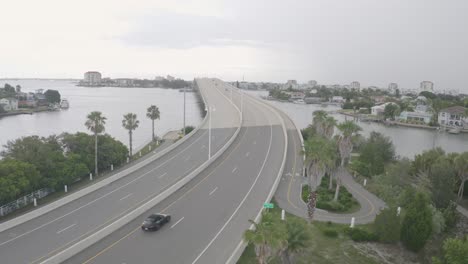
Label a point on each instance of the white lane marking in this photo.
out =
(214, 190)
(99, 198)
(234, 170)
(66, 228)
(243, 200)
(126, 196)
(247, 154)
(164, 174)
(177, 222)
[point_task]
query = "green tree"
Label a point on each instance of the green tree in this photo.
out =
(268, 237)
(319, 121)
(345, 146)
(130, 122)
(388, 225)
(95, 123)
(423, 162)
(416, 228)
(391, 110)
(52, 96)
(461, 166)
(153, 113)
(375, 152)
(329, 127)
(298, 239)
(455, 251)
(442, 183)
(17, 178)
(112, 151)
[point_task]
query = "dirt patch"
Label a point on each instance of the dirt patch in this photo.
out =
(387, 253)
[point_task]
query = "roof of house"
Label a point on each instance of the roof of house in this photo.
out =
(454, 110)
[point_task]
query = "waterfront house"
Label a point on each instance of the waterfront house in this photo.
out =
(378, 99)
(379, 109)
(338, 99)
(453, 117)
(296, 95)
(421, 113)
(9, 104)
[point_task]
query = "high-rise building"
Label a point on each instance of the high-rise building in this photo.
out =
(427, 86)
(392, 86)
(355, 85)
(92, 78)
(312, 83)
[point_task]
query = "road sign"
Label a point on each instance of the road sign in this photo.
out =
(268, 205)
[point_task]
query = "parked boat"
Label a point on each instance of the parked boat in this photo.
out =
(454, 130)
(299, 101)
(64, 104)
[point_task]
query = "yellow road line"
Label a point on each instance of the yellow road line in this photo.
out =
(188, 191)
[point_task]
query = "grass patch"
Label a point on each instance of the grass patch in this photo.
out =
(346, 202)
(322, 249)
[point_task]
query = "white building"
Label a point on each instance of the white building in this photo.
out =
(355, 85)
(170, 78)
(338, 99)
(453, 117)
(9, 104)
(427, 86)
(159, 78)
(379, 109)
(92, 78)
(421, 117)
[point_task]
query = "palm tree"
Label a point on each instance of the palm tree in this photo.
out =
(268, 237)
(345, 146)
(461, 165)
(319, 152)
(319, 119)
(95, 122)
(333, 166)
(329, 126)
(130, 123)
(298, 239)
(153, 113)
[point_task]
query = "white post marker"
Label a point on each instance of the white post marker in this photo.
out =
(352, 222)
(66, 188)
(398, 211)
(149, 147)
(112, 167)
(35, 202)
(90, 176)
(283, 214)
(128, 159)
(365, 182)
(140, 153)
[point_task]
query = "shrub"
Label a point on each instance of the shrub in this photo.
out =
(417, 224)
(387, 225)
(361, 235)
(330, 233)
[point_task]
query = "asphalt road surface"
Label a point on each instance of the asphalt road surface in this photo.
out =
(46, 235)
(209, 215)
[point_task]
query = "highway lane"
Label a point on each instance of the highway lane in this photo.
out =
(210, 215)
(46, 235)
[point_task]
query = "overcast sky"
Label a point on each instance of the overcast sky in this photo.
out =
(331, 41)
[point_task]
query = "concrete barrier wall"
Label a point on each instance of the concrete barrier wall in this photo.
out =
(90, 240)
(75, 195)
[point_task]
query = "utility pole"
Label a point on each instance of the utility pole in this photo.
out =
(184, 111)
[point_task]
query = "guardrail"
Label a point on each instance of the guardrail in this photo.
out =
(73, 196)
(104, 232)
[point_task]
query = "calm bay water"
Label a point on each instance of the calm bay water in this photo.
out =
(408, 141)
(112, 102)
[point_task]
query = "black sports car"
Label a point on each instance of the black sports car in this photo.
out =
(155, 221)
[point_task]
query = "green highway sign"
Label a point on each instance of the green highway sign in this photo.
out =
(268, 205)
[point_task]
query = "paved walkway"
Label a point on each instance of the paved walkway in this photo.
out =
(288, 194)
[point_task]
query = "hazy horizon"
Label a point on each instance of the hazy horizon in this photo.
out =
(335, 41)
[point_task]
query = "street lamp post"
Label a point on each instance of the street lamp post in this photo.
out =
(184, 111)
(209, 109)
